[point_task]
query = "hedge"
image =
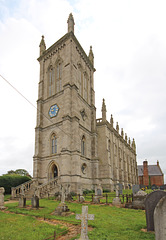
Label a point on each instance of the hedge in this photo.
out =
(9, 181)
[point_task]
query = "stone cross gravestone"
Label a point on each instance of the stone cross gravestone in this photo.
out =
(116, 201)
(2, 190)
(62, 208)
(160, 219)
(84, 217)
(150, 203)
(117, 190)
(135, 188)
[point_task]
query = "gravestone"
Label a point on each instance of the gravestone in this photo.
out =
(99, 193)
(135, 188)
(62, 208)
(84, 217)
(139, 200)
(150, 203)
(35, 202)
(2, 190)
(22, 201)
(120, 188)
(98, 190)
(154, 187)
(82, 199)
(163, 187)
(96, 199)
(117, 201)
(160, 219)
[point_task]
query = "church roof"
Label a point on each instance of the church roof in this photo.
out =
(153, 170)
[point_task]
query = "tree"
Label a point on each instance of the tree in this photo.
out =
(21, 172)
(12, 180)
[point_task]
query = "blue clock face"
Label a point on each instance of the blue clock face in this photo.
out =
(53, 110)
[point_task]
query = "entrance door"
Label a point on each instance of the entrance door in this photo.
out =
(55, 171)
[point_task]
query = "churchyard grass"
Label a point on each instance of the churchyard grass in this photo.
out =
(7, 197)
(19, 227)
(110, 222)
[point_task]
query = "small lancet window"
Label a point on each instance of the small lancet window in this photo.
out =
(83, 146)
(59, 77)
(85, 87)
(80, 82)
(51, 79)
(53, 144)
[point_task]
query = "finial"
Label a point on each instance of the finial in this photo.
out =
(126, 137)
(133, 144)
(122, 133)
(42, 45)
(71, 23)
(103, 110)
(117, 127)
(112, 120)
(91, 55)
(129, 142)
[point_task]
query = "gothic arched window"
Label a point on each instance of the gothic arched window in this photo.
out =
(51, 81)
(59, 77)
(53, 144)
(83, 146)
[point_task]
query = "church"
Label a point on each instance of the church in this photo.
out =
(70, 143)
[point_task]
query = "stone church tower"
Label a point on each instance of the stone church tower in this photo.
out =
(65, 134)
(69, 142)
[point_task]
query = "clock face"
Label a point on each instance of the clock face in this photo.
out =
(53, 110)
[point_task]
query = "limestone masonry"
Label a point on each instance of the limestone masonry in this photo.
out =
(70, 143)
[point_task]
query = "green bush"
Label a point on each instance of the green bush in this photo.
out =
(9, 181)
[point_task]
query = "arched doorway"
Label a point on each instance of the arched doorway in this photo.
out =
(54, 171)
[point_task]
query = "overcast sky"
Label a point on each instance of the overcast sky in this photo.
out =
(129, 44)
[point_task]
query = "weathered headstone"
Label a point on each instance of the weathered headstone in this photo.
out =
(154, 187)
(62, 208)
(99, 193)
(96, 199)
(82, 199)
(117, 201)
(139, 200)
(150, 203)
(135, 188)
(22, 202)
(117, 190)
(2, 190)
(163, 187)
(120, 188)
(98, 190)
(35, 202)
(160, 219)
(84, 217)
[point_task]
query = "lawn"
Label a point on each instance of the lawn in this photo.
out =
(110, 222)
